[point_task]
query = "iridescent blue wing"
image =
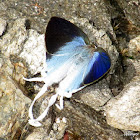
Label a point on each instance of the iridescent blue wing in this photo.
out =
(88, 67)
(98, 66)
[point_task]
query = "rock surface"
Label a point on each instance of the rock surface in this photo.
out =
(131, 11)
(113, 25)
(2, 26)
(134, 48)
(13, 103)
(123, 112)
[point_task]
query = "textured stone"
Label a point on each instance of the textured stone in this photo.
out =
(95, 95)
(13, 104)
(34, 51)
(20, 45)
(12, 42)
(131, 10)
(2, 26)
(123, 111)
(84, 122)
(134, 48)
(57, 132)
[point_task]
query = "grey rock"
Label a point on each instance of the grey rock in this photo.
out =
(22, 50)
(13, 103)
(2, 26)
(131, 10)
(95, 95)
(86, 123)
(11, 43)
(123, 111)
(57, 132)
(134, 48)
(34, 51)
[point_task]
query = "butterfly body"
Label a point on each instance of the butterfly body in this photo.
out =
(71, 62)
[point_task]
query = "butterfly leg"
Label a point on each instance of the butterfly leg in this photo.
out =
(39, 79)
(33, 121)
(62, 94)
(60, 107)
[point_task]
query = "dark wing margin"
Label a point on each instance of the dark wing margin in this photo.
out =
(59, 32)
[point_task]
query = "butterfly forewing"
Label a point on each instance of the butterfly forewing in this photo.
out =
(60, 32)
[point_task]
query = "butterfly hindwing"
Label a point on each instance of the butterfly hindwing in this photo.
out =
(98, 66)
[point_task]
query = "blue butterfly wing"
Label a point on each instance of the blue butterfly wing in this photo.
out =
(69, 62)
(65, 55)
(66, 47)
(89, 67)
(98, 66)
(61, 32)
(63, 41)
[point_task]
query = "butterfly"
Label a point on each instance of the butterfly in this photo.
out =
(72, 62)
